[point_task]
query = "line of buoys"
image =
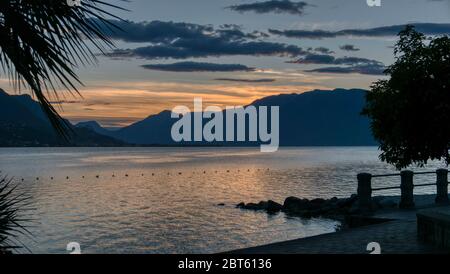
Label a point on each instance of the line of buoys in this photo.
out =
(154, 174)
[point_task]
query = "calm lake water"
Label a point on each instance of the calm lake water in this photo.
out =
(176, 210)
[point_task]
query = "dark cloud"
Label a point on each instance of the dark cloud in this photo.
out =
(183, 49)
(315, 59)
(342, 64)
(266, 80)
(426, 28)
(195, 48)
(166, 32)
(361, 69)
(324, 50)
(325, 59)
(283, 6)
(349, 48)
(314, 34)
(183, 40)
(198, 67)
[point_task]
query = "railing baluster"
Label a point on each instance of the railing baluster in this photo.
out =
(407, 189)
(365, 191)
(442, 186)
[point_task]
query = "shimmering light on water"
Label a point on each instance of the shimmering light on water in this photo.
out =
(165, 200)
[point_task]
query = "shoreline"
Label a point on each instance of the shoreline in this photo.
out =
(396, 232)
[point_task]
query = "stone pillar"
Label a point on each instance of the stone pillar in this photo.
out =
(442, 186)
(365, 191)
(407, 189)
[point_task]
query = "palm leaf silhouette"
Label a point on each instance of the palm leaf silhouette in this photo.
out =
(43, 41)
(14, 211)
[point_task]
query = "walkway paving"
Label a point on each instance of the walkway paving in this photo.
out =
(395, 237)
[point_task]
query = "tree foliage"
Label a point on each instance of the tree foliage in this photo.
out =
(410, 112)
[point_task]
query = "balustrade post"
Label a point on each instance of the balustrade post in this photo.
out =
(407, 190)
(365, 191)
(442, 186)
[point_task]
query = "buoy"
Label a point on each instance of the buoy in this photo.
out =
(67, 177)
(153, 174)
(228, 171)
(114, 175)
(204, 172)
(51, 178)
(22, 180)
(97, 176)
(37, 178)
(142, 174)
(82, 177)
(179, 173)
(126, 175)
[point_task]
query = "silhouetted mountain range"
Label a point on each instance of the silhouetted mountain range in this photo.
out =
(23, 123)
(316, 118)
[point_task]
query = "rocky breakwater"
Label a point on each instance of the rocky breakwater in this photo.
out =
(330, 208)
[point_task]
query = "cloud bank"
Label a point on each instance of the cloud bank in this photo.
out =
(197, 67)
(185, 40)
(343, 64)
(283, 6)
(386, 31)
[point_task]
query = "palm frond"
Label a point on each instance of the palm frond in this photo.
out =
(14, 204)
(43, 41)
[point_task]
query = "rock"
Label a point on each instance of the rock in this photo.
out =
(316, 204)
(381, 202)
(294, 204)
(333, 201)
(305, 208)
(252, 206)
(387, 203)
(263, 205)
(348, 202)
(273, 207)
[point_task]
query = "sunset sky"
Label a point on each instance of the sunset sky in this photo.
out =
(232, 52)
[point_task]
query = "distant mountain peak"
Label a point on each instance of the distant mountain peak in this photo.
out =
(23, 123)
(314, 118)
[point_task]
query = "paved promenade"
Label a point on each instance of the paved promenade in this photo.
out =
(398, 236)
